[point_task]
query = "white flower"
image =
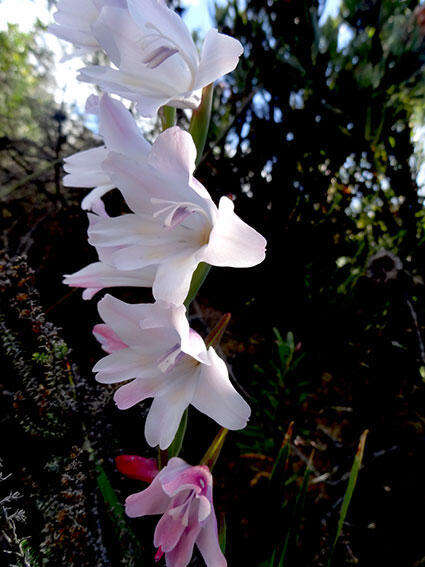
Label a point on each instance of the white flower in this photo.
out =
(153, 346)
(103, 274)
(74, 20)
(120, 133)
(174, 225)
(156, 60)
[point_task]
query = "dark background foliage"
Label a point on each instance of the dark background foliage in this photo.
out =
(314, 140)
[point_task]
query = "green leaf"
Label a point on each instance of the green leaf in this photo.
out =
(349, 492)
(222, 532)
(177, 444)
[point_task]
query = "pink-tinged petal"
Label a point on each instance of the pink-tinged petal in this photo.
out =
(109, 340)
(121, 365)
(216, 397)
(208, 543)
(152, 500)
(163, 314)
(197, 478)
(123, 318)
(232, 242)
(99, 275)
(120, 131)
(167, 409)
(90, 292)
(182, 553)
(170, 528)
(137, 468)
(172, 281)
(220, 55)
(93, 201)
(140, 389)
(175, 150)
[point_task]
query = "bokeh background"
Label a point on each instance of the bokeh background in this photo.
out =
(319, 137)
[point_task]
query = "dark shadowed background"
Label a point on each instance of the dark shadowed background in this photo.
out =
(319, 137)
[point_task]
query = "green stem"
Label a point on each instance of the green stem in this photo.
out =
(168, 117)
(200, 123)
(198, 279)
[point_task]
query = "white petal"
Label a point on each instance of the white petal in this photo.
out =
(175, 150)
(140, 389)
(216, 397)
(172, 280)
(220, 55)
(232, 242)
(121, 365)
(124, 319)
(120, 131)
(98, 275)
(93, 200)
(167, 22)
(167, 409)
(85, 169)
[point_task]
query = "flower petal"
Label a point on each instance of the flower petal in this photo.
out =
(98, 275)
(167, 409)
(232, 242)
(216, 397)
(220, 55)
(109, 340)
(152, 500)
(172, 281)
(138, 468)
(120, 131)
(208, 543)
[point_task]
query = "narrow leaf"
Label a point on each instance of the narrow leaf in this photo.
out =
(350, 489)
(211, 456)
(215, 336)
(176, 446)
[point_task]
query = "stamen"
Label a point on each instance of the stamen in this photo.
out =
(155, 59)
(159, 554)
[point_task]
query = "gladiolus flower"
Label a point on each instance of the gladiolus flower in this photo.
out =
(120, 133)
(100, 275)
(153, 346)
(156, 58)
(175, 225)
(183, 495)
(74, 21)
(138, 468)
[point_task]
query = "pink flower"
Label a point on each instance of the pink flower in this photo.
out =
(157, 62)
(175, 224)
(138, 468)
(153, 346)
(183, 495)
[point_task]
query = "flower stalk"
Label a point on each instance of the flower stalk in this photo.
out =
(200, 122)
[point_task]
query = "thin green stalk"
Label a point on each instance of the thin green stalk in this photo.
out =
(168, 117)
(200, 122)
(198, 279)
(213, 452)
(349, 492)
